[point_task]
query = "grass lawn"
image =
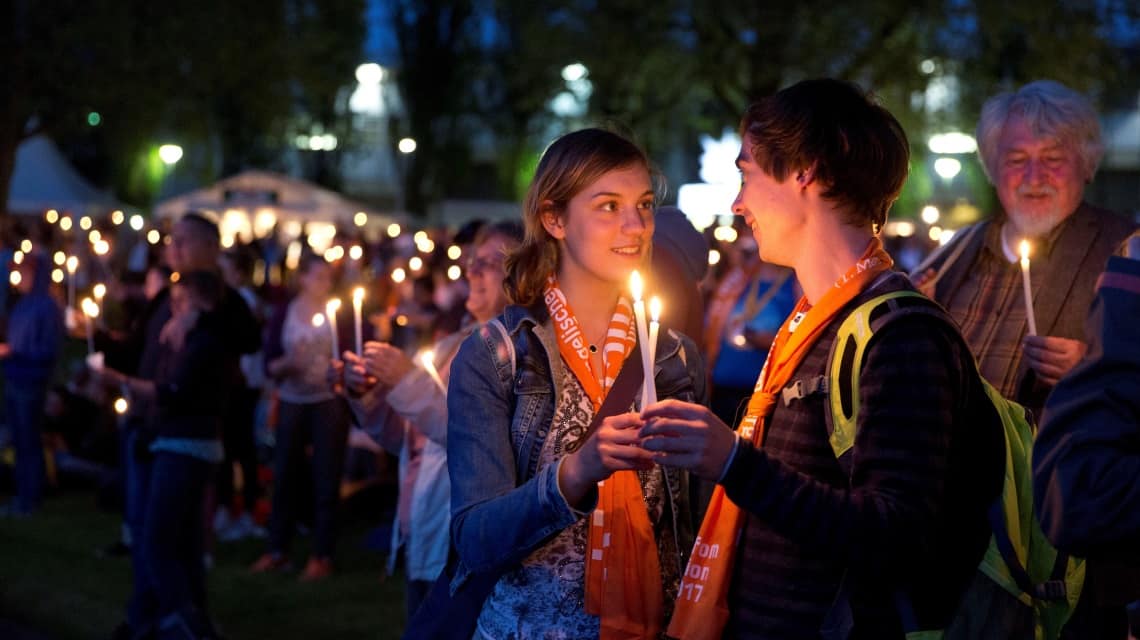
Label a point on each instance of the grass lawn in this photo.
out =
(52, 581)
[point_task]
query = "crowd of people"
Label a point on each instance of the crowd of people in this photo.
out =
(812, 442)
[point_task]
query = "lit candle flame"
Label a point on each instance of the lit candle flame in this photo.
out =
(427, 359)
(318, 320)
(121, 406)
(635, 285)
(72, 264)
(357, 296)
(90, 308)
(655, 309)
(99, 290)
(332, 306)
(1023, 249)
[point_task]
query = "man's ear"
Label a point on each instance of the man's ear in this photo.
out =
(805, 176)
(552, 220)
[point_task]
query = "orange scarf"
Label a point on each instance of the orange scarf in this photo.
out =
(623, 574)
(702, 604)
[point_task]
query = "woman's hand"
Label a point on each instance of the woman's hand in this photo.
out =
(688, 436)
(357, 379)
(614, 446)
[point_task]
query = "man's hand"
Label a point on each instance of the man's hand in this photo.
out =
(387, 363)
(174, 332)
(688, 436)
(1052, 357)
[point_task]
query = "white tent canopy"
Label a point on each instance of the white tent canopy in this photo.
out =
(43, 179)
(250, 203)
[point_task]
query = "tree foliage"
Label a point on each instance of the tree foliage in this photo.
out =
(221, 76)
(477, 77)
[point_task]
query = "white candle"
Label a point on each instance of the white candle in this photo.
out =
(654, 328)
(331, 307)
(90, 312)
(72, 265)
(428, 360)
(1023, 249)
(318, 322)
(357, 303)
(635, 288)
(99, 291)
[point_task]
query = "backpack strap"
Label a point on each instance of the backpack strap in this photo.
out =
(842, 411)
(505, 350)
(505, 354)
(845, 362)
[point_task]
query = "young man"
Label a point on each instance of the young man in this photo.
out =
(797, 542)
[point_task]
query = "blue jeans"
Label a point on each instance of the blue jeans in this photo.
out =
(25, 406)
(174, 534)
(325, 425)
(142, 608)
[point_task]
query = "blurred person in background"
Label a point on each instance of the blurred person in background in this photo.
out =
(745, 311)
(189, 399)
(399, 404)
(297, 355)
(194, 246)
(35, 335)
(1086, 456)
(1039, 145)
(680, 261)
(233, 520)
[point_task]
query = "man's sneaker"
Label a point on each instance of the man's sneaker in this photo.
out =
(269, 562)
(316, 569)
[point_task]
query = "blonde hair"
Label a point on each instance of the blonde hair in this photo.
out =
(569, 164)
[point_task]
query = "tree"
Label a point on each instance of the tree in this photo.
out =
(436, 45)
(225, 77)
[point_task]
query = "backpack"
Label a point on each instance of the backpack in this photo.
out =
(1019, 559)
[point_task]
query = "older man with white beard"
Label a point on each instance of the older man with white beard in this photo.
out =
(1039, 146)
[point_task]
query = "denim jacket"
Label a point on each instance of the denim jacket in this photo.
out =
(501, 508)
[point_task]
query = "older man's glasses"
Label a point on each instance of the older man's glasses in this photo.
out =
(476, 266)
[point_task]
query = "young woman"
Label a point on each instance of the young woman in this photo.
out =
(587, 536)
(297, 356)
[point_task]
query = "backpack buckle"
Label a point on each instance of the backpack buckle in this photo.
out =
(800, 389)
